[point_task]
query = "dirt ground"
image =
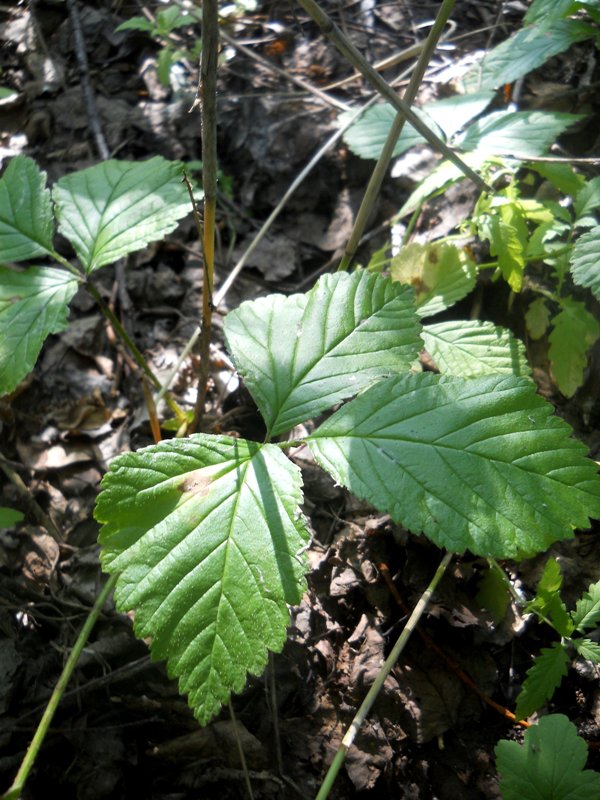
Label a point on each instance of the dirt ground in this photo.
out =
(122, 730)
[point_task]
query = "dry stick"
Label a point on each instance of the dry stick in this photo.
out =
(84, 77)
(308, 87)
(345, 46)
(381, 167)
(208, 103)
(42, 729)
(220, 295)
(385, 670)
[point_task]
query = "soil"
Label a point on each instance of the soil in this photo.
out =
(122, 730)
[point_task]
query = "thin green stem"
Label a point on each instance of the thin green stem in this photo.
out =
(30, 756)
(385, 670)
(345, 46)
(383, 162)
(240, 747)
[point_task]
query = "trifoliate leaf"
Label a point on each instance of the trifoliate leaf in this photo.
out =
(33, 304)
(118, 207)
(520, 134)
(587, 611)
(585, 261)
(471, 348)
(26, 221)
(537, 318)
(478, 464)
(524, 51)
(549, 764)
(206, 535)
(587, 649)
(543, 678)
(9, 517)
(440, 273)
(547, 601)
(575, 331)
(301, 354)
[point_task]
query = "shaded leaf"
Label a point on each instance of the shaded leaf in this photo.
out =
(547, 601)
(543, 678)
(587, 611)
(301, 354)
(585, 261)
(537, 318)
(493, 593)
(519, 134)
(205, 534)
(9, 517)
(478, 464)
(440, 273)
(587, 198)
(588, 649)
(117, 207)
(575, 331)
(549, 764)
(561, 176)
(523, 52)
(26, 221)
(33, 304)
(471, 348)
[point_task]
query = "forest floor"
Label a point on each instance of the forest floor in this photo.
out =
(122, 730)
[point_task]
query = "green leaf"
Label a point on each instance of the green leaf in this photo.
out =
(33, 304)
(519, 134)
(468, 349)
(562, 176)
(588, 198)
(206, 536)
(523, 52)
(548, 766)
(547, 601)
(575, 331)
(585, 261)
(26, 222)
(506, 230)
(479, 464)
(587, 611)
(547, 12)
(301, 354)
(117, 207)
(537, 318)
(587, 649)
(440, 273)
(445, 117)
(137, 24)
(493, 593)
(9, 517)
(543, 678)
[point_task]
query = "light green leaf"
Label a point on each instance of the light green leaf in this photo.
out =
(476, 464)
(547, 601)
(471, 348)
(26, 222)
(587, 649)
(527, 49)
(206, 535)
(33, 304)
(137, 24)
(587, 611)
(440, 273)
(537, 318)
(9, 517)
(549, 765)
(301, 354)
(588, 198)
(547, 12)
(585, 261)
(575, 331)
(118, 207)
(506, 230)
(561, 176)
(543, 678)
(445, 117)
(520, 134)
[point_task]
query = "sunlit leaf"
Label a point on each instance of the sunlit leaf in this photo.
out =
(575, 331)
(26, 222)
(587, 611)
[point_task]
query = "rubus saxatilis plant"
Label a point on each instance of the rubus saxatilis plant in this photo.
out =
(207, 536)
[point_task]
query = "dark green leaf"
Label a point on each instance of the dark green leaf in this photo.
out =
(542, 680)
(26, 222)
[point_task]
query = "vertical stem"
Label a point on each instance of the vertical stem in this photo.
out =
(208, 100)
(398, 124)
(385, 670)
(240, 747)
(42, 729)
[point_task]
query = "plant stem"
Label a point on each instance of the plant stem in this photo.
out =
(345, 46)
(240, 747)
(208, 101)
(42, 729)
(385, 670)
(381, 167)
